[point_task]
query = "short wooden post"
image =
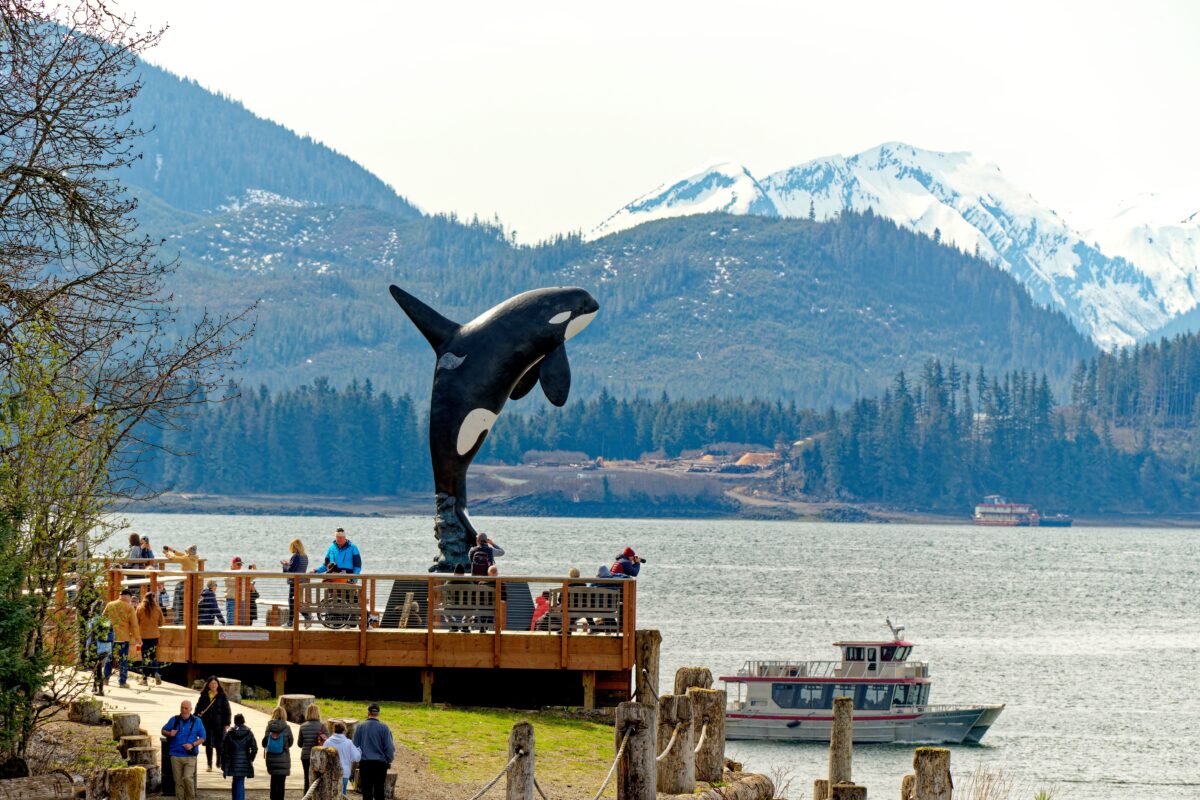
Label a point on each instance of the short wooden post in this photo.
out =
(61, 785)
(153, 777)
(708, 731)
(821, 789)
(325, 768)
(848, 791)
(676, 752)
(141, 756)
(841, 741)
(125, 723)
(589, 689)
(906, 786)
(687, 677)
(645, 665)
(137, 740)
(932, 779)
(637, 771)
(520, 775)
(427, 685)
(128, 783)
(85, 710)
(233, 689)
(350, 722)
(294, 705)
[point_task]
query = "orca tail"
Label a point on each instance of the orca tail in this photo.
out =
(436, 329)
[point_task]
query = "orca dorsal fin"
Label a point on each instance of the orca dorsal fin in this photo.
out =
(436, 329)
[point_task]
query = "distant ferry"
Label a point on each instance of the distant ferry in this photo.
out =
(995, 510)
(793, 700)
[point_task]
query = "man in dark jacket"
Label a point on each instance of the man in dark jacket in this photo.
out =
(238, 752)
(375, 740)
(483, 555)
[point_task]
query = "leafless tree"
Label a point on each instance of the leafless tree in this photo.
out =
(90, 350)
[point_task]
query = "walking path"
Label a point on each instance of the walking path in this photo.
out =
(156, 704)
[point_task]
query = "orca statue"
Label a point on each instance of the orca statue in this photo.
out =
(498, 355)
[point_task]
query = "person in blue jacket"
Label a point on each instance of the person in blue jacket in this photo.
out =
(342, 556)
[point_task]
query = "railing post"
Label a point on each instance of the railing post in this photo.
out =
(430, 609)
(497, 619)
(189, 614)
(564, 655)
(362, 620)
(520, 775)
(637, 771)
(296, 589)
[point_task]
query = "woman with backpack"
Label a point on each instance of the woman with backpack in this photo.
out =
(238, 752)
(213, 710)
(275, 744)
(313, 733)
(98, 645)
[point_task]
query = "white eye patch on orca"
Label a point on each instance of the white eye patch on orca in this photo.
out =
(560, 317)
(578, 324)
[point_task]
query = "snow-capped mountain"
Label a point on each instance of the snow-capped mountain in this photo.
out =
(1160, 233)
(956, 197)
(716, 187)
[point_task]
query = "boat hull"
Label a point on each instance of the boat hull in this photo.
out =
(953, 726)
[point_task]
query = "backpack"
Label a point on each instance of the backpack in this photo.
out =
(480, 561)
(275, 743)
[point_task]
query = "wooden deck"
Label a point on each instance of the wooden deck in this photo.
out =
(382, 621)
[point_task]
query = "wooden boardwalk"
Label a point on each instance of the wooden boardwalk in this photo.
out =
(382, 621)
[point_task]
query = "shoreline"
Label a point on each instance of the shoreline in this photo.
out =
(748, 507)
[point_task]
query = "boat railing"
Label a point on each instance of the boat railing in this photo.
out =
(834, 669)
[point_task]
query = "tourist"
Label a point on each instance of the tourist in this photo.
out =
(374, 741)
(147, 551)
(149, 618)
(98, 645)
(297, 562)
(483, 555)
(231, 592)
(213, 710)
(541, 607)
(342, 556)
(628, 563)
(209, 610)
(237, 756)
(135, 551)
(253, 597)
(313, 733)
(276, 743)
(188, 562)
(125, 633)
(348, 753)
(186, 733)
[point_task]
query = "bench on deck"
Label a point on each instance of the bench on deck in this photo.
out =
(599, 607)
(467, 605)
(335, 604)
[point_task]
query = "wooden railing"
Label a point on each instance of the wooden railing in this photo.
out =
(253, 616)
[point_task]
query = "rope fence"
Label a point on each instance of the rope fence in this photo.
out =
(613, 769)
(703, 737)
(674, 735)
(500, 775)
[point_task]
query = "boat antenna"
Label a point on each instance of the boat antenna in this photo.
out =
(896, 631)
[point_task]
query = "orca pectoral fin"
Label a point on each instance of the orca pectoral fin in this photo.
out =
(436, 329)
(526, 382)
(556, 376)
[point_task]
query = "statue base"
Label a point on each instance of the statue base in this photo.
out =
(454, 539)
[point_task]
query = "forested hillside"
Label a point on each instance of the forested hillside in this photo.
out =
(815, 313)
(202, 151)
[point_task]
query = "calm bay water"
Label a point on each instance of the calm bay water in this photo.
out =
(1091, 636)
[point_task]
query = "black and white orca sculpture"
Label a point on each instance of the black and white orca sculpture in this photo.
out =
(498, 355)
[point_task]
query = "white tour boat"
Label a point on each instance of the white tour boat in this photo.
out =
(793, 700)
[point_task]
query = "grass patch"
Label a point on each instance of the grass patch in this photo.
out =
(470, 745)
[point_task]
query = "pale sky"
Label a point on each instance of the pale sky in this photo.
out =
(554, 114)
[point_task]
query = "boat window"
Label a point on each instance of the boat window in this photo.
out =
(842, 690)
(904, 695)
(854, 654)
(924, 695)
(799, 695)
(871, 654)
(876, 697)
(903, 653)
(889, 653)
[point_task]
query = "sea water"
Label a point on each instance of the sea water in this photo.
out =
(1089, 636)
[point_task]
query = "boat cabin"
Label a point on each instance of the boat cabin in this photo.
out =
(876, 674)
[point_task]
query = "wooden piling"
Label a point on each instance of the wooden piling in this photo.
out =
(687, 677)
(128, 783)
(708, 731)
(637, 771)
(847, 791)
(129, 742)
(294, 705)
(676, 751)
(427, 682)
(520, 775)
(646, 644)
(906, 787)
(589, 689)
(141, 756)
(325, 769)
(931, 778)
(85, 710)
(125, 723)
(841, 741)
(821, 789)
